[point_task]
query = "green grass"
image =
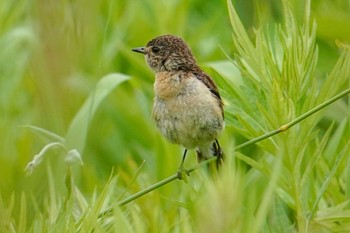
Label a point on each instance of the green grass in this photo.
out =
(72, 93)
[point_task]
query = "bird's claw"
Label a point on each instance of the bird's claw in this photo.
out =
(182, 174)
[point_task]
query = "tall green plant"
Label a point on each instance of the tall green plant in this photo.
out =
(301, 167)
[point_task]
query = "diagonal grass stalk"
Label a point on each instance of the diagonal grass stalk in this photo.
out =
(283, 128)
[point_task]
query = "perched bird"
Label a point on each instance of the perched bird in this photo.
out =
(187, 109)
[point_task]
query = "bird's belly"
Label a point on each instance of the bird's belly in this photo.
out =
(188, 121)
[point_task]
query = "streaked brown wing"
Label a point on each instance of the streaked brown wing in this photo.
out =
(208, 82)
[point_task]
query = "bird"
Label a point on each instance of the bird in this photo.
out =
(187, 107)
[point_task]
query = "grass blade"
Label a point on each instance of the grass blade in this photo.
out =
(78, 129)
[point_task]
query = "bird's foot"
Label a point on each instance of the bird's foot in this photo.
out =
(182, 174)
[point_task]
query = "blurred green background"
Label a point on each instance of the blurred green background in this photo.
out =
(54, 52)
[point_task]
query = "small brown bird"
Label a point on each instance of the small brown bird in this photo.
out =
(187, 109)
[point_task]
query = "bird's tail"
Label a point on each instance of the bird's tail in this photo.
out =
(214, 150)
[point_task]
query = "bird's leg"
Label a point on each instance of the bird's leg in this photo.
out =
(219, 153)
(182, 173)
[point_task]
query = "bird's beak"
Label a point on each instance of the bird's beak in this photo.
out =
(140, 50)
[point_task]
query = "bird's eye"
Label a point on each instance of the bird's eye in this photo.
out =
(155, 49)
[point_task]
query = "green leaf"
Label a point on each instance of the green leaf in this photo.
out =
(329, 177)
(22, 222)
(280, 218)
(228, 70)
(47, 135)
(78, 128)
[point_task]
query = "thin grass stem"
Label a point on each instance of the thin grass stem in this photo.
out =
(237, 148)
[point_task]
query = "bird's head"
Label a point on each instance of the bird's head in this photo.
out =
(167, 53)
